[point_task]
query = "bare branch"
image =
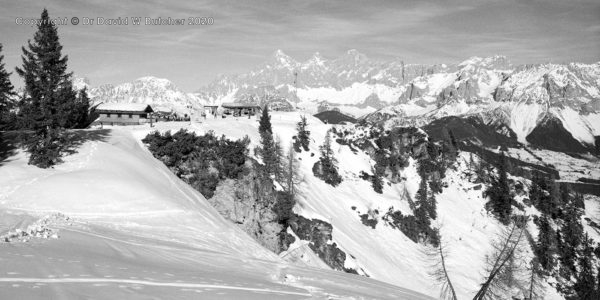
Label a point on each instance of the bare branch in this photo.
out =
(439, 271)
(503, 263)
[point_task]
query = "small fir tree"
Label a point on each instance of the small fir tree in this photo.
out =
(328, 164)
(265, 121)
(303, 135)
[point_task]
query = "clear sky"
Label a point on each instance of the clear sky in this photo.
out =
(245, 33)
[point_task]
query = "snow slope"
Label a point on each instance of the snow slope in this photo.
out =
(136, 231)
(383, 253)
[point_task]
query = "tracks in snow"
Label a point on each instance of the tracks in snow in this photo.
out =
(147, 283)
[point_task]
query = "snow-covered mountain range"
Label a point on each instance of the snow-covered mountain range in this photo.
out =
(160, 92)
(519, 97)
(351, 80)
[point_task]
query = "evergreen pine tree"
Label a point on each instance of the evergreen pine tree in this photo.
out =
(422, 192)
(376, 181)
(328, 164)
(571, 232)
(76, 114)
(545, 246)
(265, 121)
(585, 284)
(267, 150)
(303, 136)
(279, 165)
(48, 94)
(536, 193)
(6, 91)
(499, 193)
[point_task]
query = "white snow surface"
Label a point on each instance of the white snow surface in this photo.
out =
(383, 253)
(123, 106)
(354, 94)
(136, 231)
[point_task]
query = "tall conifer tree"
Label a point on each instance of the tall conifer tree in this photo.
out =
(48, 95)
(267, 151)
(499, 192)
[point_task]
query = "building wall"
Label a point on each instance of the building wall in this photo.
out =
(123, 119)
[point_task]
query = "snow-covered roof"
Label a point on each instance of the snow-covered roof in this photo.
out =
(237, 105)
(130, 107)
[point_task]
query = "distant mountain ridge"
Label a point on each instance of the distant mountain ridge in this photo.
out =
(159, 92)
(519, 97)
(397, 93)
(348, 80)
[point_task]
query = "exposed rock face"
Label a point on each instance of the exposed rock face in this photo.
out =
(551, 134)
(372, 101)
(411, 92)
(248, 202)
(318, 233)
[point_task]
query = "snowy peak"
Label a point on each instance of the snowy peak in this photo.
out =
(571, 85)
(154, 81)
(518, 97)
(159, 92)
(282, 60)
(346, 81)
(496, 62)
(315, 60)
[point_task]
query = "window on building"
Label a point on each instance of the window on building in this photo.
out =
(108, 115)
(118, 115)
(130, 116)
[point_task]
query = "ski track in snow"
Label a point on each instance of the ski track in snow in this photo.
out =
(146, 282)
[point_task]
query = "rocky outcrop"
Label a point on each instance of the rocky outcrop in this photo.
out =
(561, 140)
(372, 101)
(248, 202)
(412, 92)
(318, 234)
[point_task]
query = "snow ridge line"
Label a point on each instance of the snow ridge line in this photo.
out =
(140, 214)
(146, 282)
